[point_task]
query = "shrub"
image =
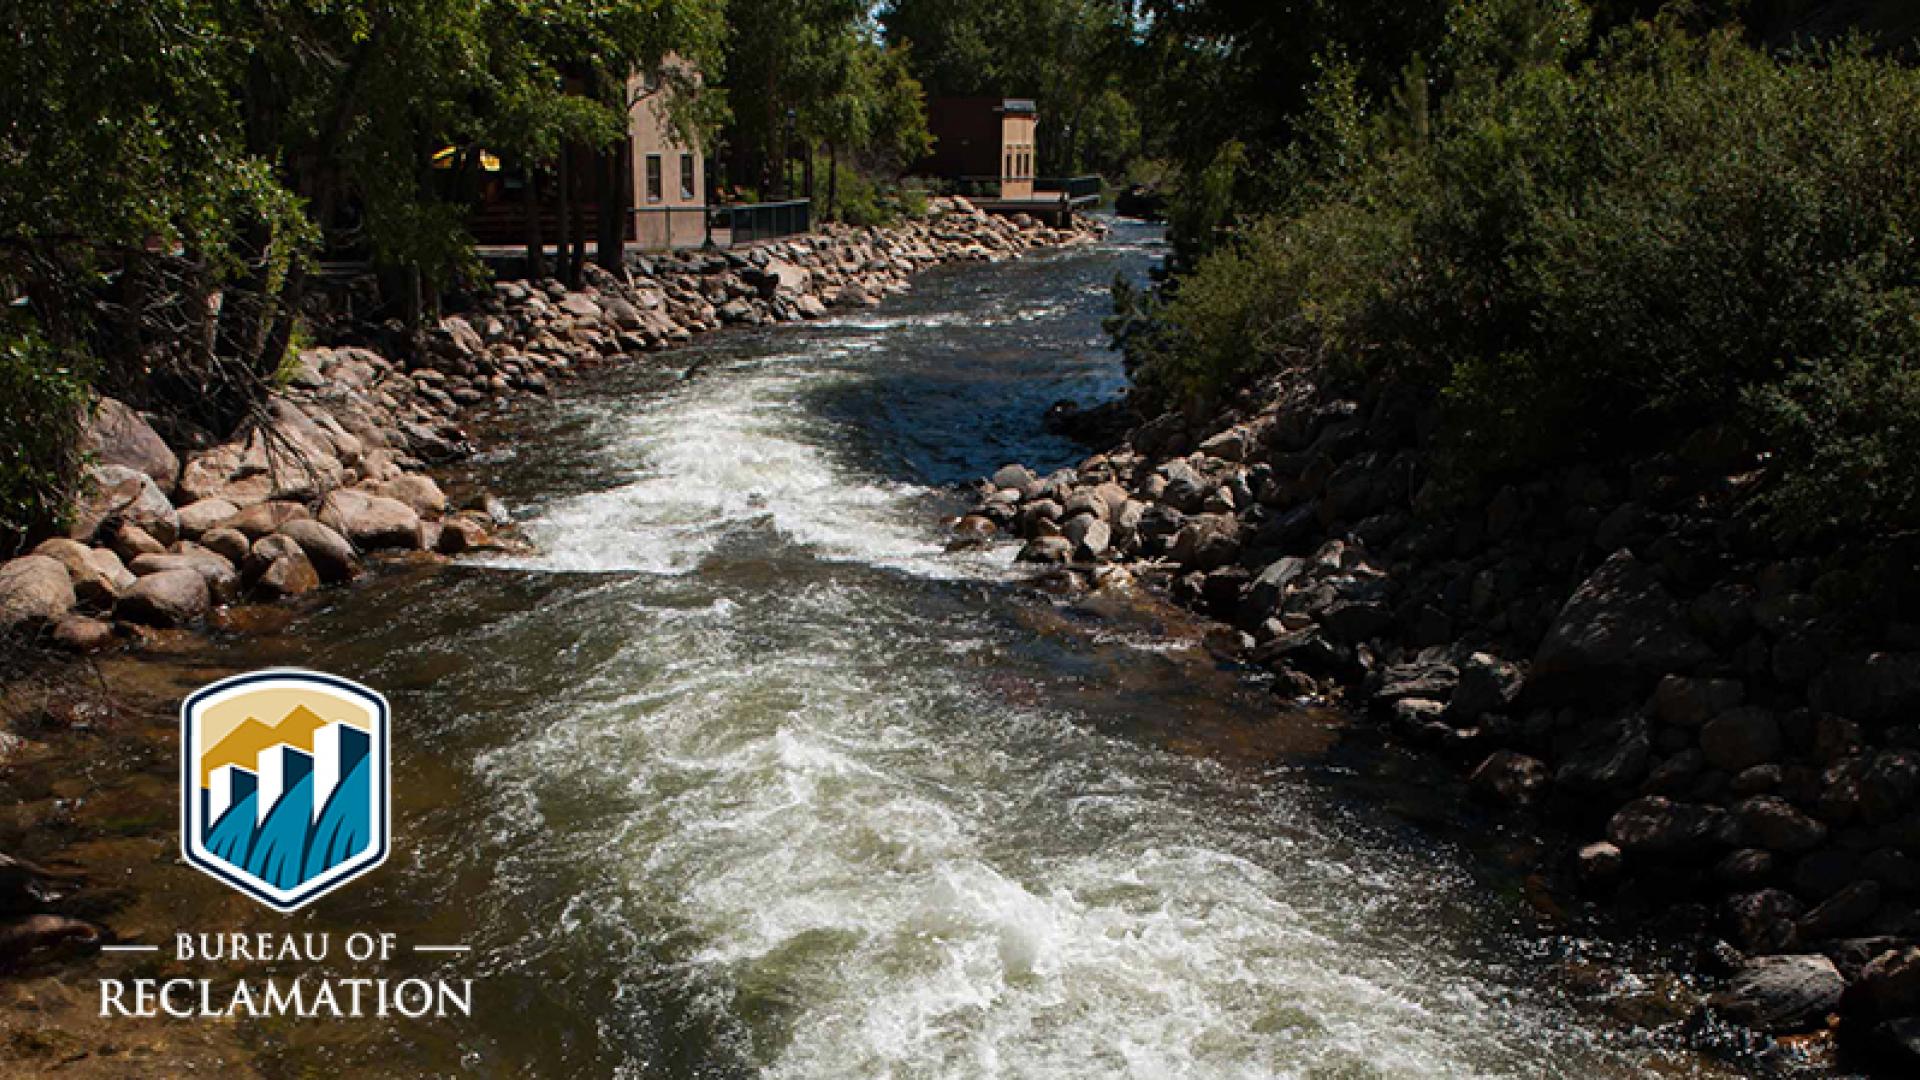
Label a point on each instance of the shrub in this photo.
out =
(1602, 258)
(47, 395)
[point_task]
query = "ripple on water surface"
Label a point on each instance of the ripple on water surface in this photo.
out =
(787, 783)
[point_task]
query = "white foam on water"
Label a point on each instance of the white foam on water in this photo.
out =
(801, 804)
(731, 452)
(897, 876)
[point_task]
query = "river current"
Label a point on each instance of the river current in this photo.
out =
(742, 773)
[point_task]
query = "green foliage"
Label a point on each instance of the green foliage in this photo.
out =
(1597, 257)
(1074, 57)
(47, 396)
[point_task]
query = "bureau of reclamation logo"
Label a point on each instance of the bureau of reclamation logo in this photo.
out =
(284, 783)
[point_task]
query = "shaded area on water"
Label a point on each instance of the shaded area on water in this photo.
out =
(745, 774)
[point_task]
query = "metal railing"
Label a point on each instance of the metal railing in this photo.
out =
(1074, 188)
(746, 223)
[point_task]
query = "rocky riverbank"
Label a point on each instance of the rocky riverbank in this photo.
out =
(336, 474)
(1731, 728)
(336, 467)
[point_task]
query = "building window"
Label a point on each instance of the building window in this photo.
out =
(653, 178)
(686, 177)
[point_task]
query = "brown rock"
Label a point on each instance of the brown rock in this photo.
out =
(207, 514)
(418, 492)
(329, 552)
(1619, 628)
(222, 579)
(1509, 778)
(33, 589)
(116, 435)
(1781, 994)
(118, 493)
(82, 633)
(130, 542)
(265, 518)
(371, 521)
(166, 598)
(93, 586)
(230, 544)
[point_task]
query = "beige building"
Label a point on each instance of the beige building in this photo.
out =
(669, 199)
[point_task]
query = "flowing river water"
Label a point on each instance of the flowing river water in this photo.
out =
(743, 773)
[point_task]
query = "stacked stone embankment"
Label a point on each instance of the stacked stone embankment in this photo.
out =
(335, 469)
(1731, 730)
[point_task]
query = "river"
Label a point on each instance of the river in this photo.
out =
(743, 773)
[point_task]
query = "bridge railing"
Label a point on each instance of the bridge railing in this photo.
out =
(745, 223)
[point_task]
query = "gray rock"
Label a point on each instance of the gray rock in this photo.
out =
(167, 598)
(1047, 549)
(1018, 477)
(1267, 589)
(34, 589)
(1741, 738)
(1781, 994)
(1089, 535)
(1206, 542)
(1618, 630)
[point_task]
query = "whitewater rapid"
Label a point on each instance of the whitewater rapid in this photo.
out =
(819, 801)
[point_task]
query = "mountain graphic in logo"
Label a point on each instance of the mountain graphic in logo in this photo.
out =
(284, 783)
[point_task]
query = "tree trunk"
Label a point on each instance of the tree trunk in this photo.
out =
(613, 206)
(563, 242)
(833, 177)
(577, 260)
(536, 248)
(808, 150)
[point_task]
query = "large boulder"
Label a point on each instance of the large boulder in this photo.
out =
(33, 589)
(419, 492)
(116, 435)
(1618, 631)
(167, 598)
(330, 553)
(371, 521)
(222, 579)
(278, 567)
(266, 518)
(199, 518)
(94, 584)
(1782, 994)
(120, 493)
(1656, 825)
(286, 457)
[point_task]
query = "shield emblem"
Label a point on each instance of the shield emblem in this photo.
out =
(284, 783)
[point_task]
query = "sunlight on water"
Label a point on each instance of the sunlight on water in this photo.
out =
(801, 811)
